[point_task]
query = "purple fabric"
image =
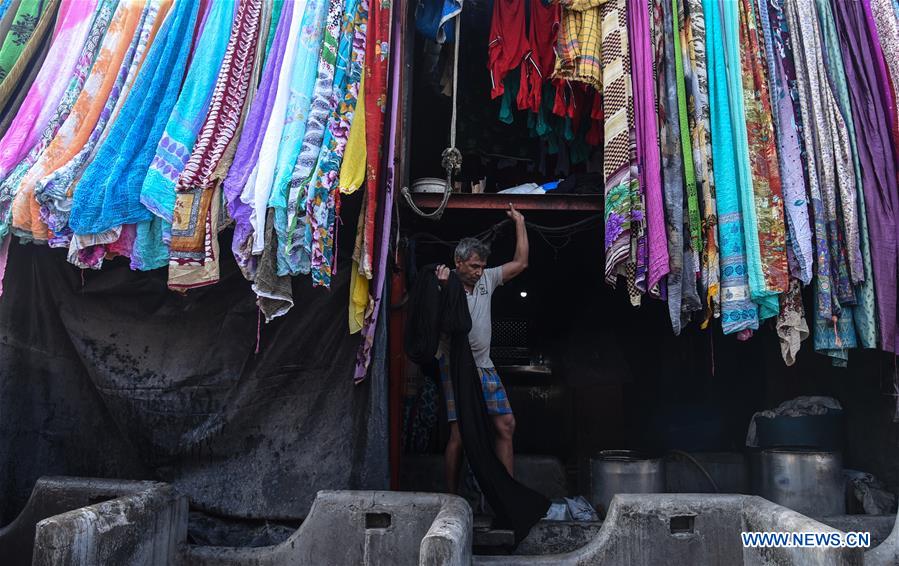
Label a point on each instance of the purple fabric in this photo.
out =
(870, 112)
(883, 74)
(649, 160)
(251, 139)
(363, 357)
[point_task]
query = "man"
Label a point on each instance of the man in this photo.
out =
(479, 283)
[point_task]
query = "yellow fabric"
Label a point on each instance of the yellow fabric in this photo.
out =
(579, 50)
(352, 170)
(358, 299)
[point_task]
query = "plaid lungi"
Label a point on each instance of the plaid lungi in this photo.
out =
(494, 393)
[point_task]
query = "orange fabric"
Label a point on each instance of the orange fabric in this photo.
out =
(74, 132)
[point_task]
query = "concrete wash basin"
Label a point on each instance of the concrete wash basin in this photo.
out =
(148, 527)
(53, 496)
(700, 530)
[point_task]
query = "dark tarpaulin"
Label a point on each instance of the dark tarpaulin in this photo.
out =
(113, 375)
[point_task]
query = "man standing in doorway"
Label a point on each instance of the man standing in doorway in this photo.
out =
(479, 283)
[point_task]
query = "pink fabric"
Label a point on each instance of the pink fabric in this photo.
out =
(43, 97)
(648, 157)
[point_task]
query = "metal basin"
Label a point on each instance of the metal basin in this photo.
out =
(623, 471)
(808, 481)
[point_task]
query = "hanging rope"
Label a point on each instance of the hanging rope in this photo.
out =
(451, 159)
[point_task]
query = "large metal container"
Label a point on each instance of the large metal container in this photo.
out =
(623, 471)
(808, 481)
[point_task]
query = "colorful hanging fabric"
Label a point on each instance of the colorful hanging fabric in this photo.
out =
(692, 212)
(108, 194)
(193, 253)
(681, 282)
(74, 131)
(782, 81)
(697, 90)
(21, 26)
(24, 197)
(738, 313)
(884, 26)
(878, 164)
(372, 313)
(792, 328)
(297, 257)
(864, 312)
(299, 105)
(19, 78)
(323, 204)
(176, 144)
(248, 147)
(377, 53)
(539, 59)
(763, 201)
(579, 55)
(259, 187)
(833, 161)
(352, 168)
(507, 42)
(648, 159)
(75, 19)
(54, 190)
(619, 125)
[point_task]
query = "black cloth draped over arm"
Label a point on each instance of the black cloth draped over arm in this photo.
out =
(432, 311)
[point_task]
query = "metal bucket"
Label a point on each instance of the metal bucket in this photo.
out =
(808, 481)
(623, 471)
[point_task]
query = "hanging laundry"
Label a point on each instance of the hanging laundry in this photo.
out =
(435, 19)
(32, 117)
(624, 205)
(507, 43)
(738, 313)
(823, 131)
(760, 188)
(19, 28)
(697, 95)
(108, 194)
(297, 256)
(54, 191)
(377, 52)
(784, 101)
(74, 132)
(877, 157)
(299, 106)
(540, 59)
(648, 160)
(248, 148)
(683, 297)
(174, 149)
(323, 206)
(578, 55)
(193, 255)
(12, 185)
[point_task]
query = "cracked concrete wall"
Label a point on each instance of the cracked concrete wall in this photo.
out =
(143, 529)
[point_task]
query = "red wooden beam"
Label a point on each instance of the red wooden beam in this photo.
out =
(587, 203)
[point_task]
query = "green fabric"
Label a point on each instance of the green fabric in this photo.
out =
(276, 15)
(19, 32)
(689, 171)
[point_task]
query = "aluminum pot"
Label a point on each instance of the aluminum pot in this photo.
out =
(805, 480)
(623, 471)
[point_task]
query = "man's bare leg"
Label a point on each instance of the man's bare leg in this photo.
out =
(453, 455)
(504, 425)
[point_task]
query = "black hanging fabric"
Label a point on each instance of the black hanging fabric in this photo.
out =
(432, 311)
